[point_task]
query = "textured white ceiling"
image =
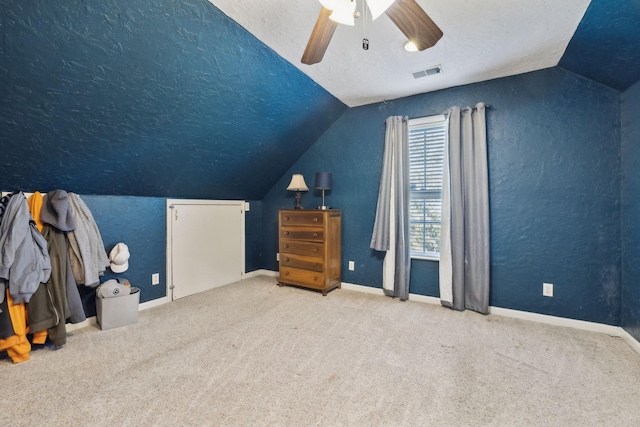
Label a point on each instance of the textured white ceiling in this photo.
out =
(482, 40)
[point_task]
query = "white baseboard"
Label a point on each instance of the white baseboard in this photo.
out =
(614, 331)
(633, 343)
(153, 303)
(558, 321)
(379, 291)
(255, 273)
(91, 321)
(361, 288)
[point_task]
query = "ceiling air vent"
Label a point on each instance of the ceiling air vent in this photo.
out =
(428, 72)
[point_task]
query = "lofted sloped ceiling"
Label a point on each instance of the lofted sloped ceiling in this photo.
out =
(606, 45)
(174, 98)
(148, 98)
(482, 40)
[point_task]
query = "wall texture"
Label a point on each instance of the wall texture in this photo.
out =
(554, 165)
(631, 210)
(140, 223)
(604, 47)
(253, 236)
(159, 98)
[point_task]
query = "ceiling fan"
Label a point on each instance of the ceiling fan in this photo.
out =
(407, 15)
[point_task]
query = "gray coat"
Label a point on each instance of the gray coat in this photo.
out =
(86, 246)
(24, 259)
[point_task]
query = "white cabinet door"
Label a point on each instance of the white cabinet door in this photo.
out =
(206, 245)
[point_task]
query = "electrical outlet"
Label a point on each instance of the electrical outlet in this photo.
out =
(155, 279)
(352, 265)
(278, 256)
(547, 289)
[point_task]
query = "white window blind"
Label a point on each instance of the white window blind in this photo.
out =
(426, 154)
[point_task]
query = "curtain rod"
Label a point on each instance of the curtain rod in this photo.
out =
(486, 106)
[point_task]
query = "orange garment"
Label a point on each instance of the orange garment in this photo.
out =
(17, 346)
(35, 206)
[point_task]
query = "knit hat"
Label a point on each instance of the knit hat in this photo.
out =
(119, 257)
(56, 211)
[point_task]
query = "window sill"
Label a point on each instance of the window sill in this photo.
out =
(426, 257)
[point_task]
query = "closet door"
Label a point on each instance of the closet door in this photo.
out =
(206, 245)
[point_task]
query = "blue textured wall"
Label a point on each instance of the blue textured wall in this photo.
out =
(148, 98)
(606, 44)
(167, 98)
(140, 223)
(554, 165)
(253, 237)
(631, 210)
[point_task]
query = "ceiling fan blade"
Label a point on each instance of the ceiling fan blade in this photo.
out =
(320, 38)
(414, 23)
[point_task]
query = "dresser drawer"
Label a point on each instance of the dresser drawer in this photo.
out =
(301, 261)
(297, 276)
(310, 248)
(302, 233)
(302, 248)
(301, 218)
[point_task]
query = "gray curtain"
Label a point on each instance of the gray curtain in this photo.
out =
(464, 255)
(391, 228)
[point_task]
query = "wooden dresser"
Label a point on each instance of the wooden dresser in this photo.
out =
(311, 248)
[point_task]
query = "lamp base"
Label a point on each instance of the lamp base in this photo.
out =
(298, 198)
(324, 208)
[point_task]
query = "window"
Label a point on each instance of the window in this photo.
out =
(426, 154)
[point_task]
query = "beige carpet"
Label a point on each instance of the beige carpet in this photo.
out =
(252, 353)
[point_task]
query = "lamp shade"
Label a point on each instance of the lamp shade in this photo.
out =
(378, 7)
(343, 12)
(297, 183)
(323, 181)
(329, 4)
(343, 9)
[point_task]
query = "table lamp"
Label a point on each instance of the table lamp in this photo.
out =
(323, 182)
(298, 185)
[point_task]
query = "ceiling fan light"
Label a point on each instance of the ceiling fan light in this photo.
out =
(378, 7)
(343, 13)
(409, 46)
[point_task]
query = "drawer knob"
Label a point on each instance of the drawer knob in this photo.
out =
(315, 234)
(315, 278)
(286, 233)
(286, 260)
(315, 219)
(286, 246)
(315, 249)
(315, 264)
(286, 273)
(286, 218)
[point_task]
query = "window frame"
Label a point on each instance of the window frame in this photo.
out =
(422, 121)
